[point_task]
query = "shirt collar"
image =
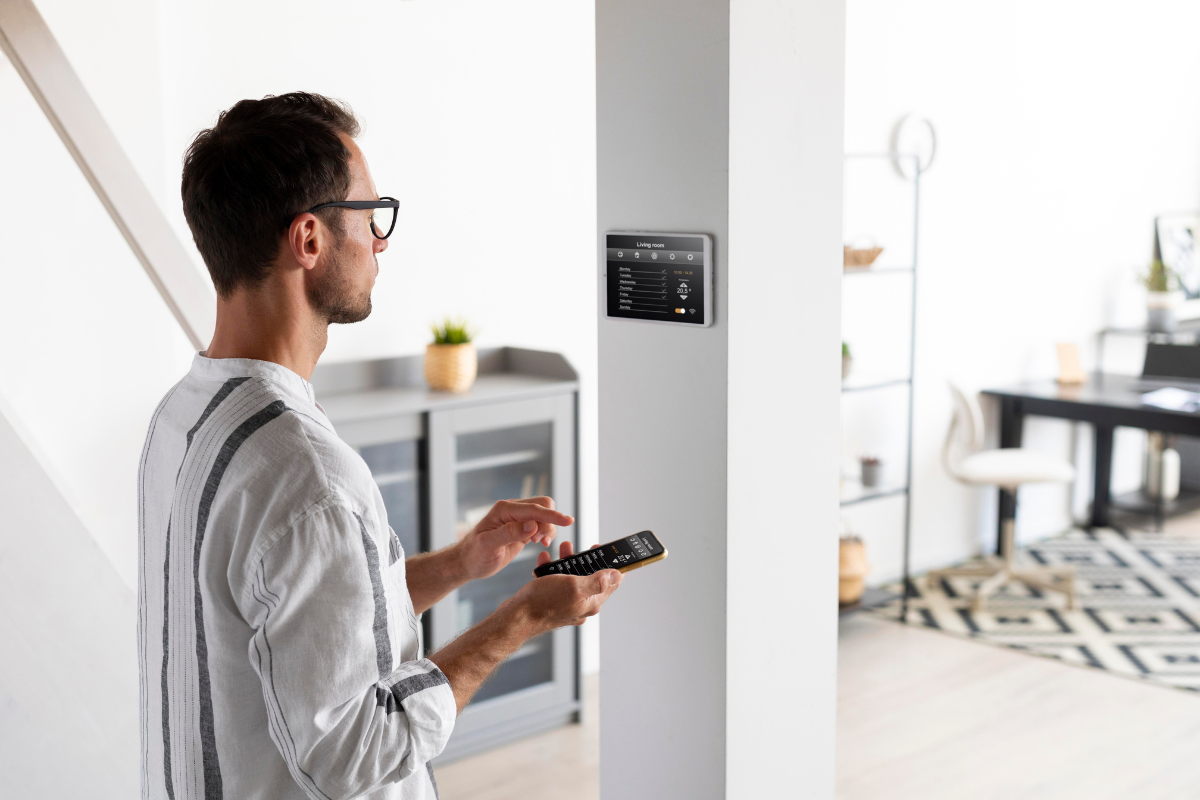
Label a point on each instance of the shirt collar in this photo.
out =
(226, 368)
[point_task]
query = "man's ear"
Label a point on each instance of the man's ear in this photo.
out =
(304, 240)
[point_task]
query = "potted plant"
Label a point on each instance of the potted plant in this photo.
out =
(1162, 297)
(450, 359)
(847, 361)
(872, 471)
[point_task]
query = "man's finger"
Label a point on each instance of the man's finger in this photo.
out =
(523, 511)
(543, 558)
(509, 533)
(541, 500)
(566, 549)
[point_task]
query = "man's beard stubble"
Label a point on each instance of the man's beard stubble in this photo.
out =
(333, 296)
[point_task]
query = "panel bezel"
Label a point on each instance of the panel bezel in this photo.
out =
(707, 280)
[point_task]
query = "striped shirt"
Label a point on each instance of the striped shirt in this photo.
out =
(277, 640)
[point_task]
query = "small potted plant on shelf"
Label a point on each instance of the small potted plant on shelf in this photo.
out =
(1162, 297)
(450, 359)
(847, 361)
(871, 471)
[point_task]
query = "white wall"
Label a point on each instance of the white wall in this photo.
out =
(68, 674)
(1063, 129)
(87, 347)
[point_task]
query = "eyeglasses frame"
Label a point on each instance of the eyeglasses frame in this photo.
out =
(362, 205)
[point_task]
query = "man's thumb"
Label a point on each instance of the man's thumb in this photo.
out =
(607, 579)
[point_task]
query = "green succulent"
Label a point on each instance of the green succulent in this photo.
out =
(1160, 277)
(452, 331)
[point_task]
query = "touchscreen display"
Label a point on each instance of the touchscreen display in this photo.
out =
(613, 555)
(631, 548)
(659, 278)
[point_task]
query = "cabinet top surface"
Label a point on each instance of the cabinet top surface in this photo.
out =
(372, 389)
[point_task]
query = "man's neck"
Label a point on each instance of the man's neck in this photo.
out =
(269, 325)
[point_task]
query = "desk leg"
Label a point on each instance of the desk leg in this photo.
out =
(1102, 469)
(1012, 424)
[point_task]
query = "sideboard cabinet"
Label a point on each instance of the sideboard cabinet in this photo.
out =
(441, 460)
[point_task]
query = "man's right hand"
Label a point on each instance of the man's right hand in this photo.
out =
(541, 605)
(554, 601)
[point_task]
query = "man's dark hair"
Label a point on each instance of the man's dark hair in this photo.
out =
(246, 178)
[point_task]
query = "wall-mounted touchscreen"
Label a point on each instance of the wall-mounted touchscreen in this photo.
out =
(659, 277)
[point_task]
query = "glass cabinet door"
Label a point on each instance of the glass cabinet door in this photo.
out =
(477, 456)
(395, 466)
(394, 450)
(501, 464)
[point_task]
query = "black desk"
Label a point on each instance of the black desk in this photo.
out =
(1106, 401)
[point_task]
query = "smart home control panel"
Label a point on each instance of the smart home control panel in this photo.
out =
(630, 553)
(659, 277)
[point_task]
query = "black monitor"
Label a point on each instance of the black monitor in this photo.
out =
(1172, 361)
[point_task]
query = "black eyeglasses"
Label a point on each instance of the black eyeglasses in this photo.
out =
(382, 221)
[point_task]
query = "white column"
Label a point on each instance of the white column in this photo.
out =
(718, 665)
(786, 66)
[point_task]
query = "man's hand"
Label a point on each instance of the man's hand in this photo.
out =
(557, 600)
(541, 605)
(507, 528)
(488, 548)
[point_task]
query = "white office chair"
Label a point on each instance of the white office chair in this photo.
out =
(1008, 468)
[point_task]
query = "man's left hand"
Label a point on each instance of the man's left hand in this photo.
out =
(507, 528)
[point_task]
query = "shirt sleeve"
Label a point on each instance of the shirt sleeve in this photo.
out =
(344, 720)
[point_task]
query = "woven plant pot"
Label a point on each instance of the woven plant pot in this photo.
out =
(852, 569)
(450, 367)
(859, 258)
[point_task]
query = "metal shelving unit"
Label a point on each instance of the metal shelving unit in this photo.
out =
(864, 494)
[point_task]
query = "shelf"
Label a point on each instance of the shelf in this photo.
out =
(502, 460)
(867, 387)
(1186, 327)
(388, 478)
(872, 598)
(847, 271)
(854, 493)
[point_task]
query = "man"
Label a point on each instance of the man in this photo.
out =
(277, 632)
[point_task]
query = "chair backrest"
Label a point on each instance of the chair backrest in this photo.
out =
(966, 428)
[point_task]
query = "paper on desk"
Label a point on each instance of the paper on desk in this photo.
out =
(1173, 399)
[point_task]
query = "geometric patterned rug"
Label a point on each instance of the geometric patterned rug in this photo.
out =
(1137, 608)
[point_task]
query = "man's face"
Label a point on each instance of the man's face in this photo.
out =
(340, 287)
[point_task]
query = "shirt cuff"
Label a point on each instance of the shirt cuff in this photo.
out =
(423, 693)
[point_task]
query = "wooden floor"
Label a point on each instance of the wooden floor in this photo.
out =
(559, 765)
(924, 715)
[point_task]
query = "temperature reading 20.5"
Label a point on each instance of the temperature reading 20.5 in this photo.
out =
(659, 277)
